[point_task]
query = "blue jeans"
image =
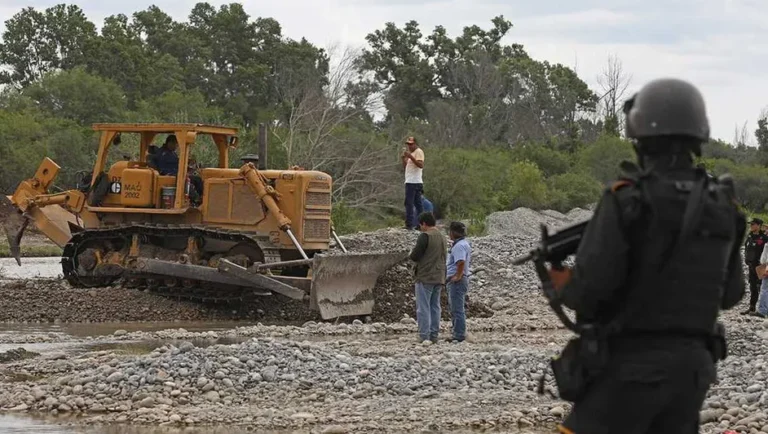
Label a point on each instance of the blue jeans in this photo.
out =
(413, 193)
(428, 310)
(762, 306)
(457, 294)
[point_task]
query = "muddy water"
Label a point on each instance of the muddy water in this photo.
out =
(30, 268)
(12, 424)
(103, 329)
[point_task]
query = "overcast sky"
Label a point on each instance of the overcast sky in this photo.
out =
(719, 45)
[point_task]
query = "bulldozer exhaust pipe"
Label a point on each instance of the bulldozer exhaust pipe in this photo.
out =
(262, 147)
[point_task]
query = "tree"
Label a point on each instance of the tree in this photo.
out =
(79, 96)
(741, 136)
(37, 42)
(473, 89)
(401, 69)
(761, 133)
(613, 82)
(318, 131)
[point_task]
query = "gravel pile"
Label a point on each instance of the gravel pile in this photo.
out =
(395, 297)
(527, 222)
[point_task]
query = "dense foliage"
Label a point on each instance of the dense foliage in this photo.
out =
(499, 128)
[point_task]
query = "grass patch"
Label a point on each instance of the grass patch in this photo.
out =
(30, 251)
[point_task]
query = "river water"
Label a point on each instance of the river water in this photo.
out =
(13, 424)
(30, 268)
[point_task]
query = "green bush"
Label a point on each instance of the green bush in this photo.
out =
(601, 159)
(550, 161)
(527, 187)
(571, 190)
(466, 181)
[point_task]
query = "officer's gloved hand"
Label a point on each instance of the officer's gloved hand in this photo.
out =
(560, 277)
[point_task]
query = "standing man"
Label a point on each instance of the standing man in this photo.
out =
(657, 262)
(458, 270)
(429, 256)
(413, 163)
(753, 248)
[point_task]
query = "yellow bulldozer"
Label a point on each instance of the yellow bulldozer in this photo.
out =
(249, 232)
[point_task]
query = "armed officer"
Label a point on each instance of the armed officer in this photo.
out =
(753, 248)
(657, 262)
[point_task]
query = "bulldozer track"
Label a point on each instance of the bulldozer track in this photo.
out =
(179, 290)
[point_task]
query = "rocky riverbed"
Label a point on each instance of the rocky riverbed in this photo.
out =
(353, 377)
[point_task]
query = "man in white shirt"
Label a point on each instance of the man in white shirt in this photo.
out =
(413, 163)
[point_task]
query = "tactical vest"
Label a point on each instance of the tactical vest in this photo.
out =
(674, 283)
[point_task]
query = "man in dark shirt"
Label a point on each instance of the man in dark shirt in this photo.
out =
(429, 254)
(167, 162)
(166, 159)
(753, 248)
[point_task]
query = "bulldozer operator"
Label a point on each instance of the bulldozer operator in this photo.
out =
(166, 161)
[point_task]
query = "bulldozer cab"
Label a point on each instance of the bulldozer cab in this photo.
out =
(152, 178)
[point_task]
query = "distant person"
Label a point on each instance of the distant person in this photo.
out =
(762, 307)
(753, 248)
(413, 163)
(250, 158)
(428, 207)
(429, 254)
(458, 272)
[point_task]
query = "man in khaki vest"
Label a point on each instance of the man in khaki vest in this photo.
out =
(429, 254)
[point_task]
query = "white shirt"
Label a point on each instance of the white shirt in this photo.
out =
(412, 171)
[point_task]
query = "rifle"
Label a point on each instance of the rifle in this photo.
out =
(555, 248)
(572, 367)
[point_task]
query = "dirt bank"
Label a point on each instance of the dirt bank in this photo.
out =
(31, 301)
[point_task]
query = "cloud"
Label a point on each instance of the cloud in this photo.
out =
(719, 45)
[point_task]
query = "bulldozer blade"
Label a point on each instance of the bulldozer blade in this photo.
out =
(342, 285)
(14, 223)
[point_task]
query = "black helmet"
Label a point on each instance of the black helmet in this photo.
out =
(667, 107)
